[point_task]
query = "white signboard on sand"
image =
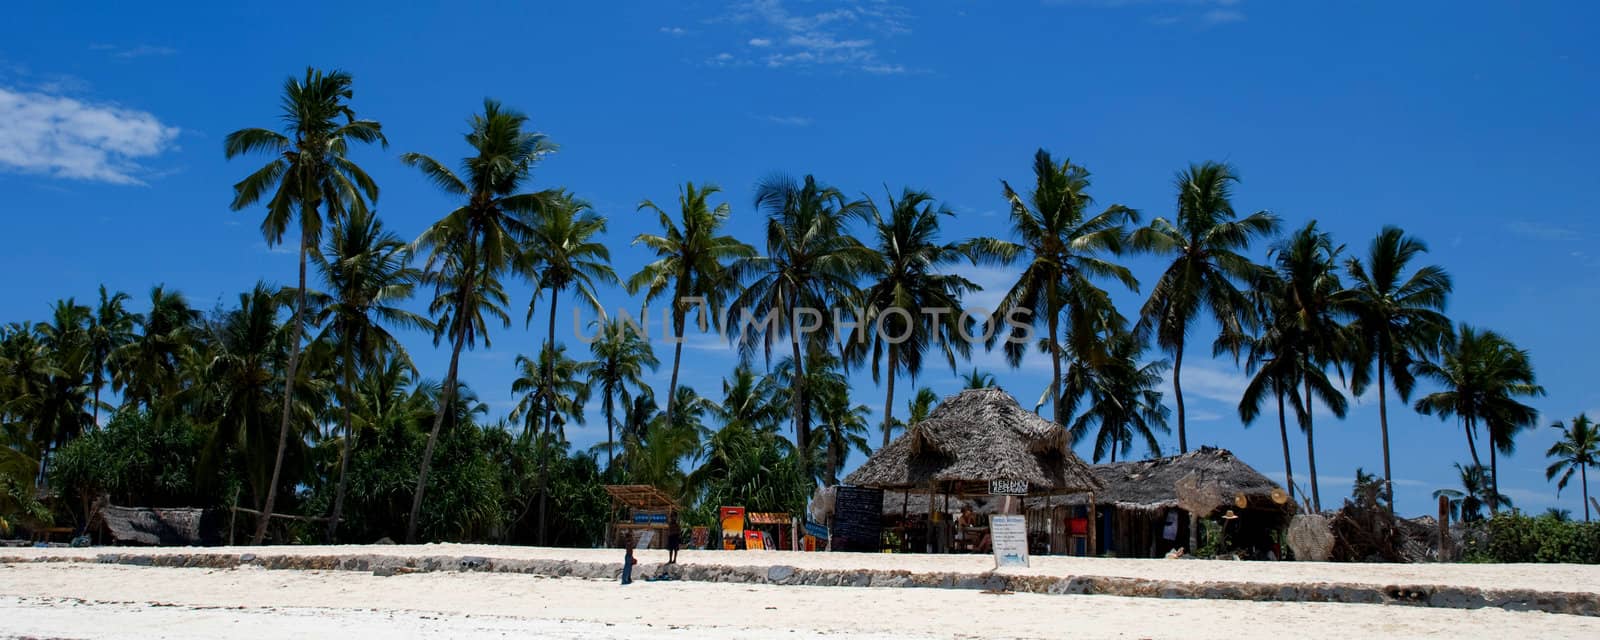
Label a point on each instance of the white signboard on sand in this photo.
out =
(645, 538)
(1009, 535)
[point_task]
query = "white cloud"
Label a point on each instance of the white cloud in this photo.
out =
(1544, 231)
(68, 138)
(788, 121)
(674, 31)
(846, 36)
(136, 51)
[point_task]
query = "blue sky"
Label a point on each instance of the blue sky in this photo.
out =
(1470, 124)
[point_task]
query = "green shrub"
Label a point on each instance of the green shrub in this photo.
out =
(1512, 537)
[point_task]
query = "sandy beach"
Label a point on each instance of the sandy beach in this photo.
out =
(74, 600)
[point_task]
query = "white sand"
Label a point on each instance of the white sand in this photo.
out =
(1541, 577)
(73, 600)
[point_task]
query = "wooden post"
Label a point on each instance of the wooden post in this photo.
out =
(1446, 544)
(1094, 523)
(929, 543)
(1194, 533)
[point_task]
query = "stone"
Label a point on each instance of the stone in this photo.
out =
(780, 573)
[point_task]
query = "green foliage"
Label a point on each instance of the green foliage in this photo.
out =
(1512, 537)
(140, 460)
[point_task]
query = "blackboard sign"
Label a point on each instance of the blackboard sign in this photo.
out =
(857, 519)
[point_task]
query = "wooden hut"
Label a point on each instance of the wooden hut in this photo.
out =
(643, 508)
(1148, 504)
(973, 442)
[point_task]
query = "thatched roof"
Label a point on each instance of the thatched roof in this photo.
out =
(1204, 481)
(162, 527)
(642, 497)
(972, 438)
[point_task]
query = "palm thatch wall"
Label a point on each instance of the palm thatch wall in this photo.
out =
(162, 527)
(972, 438)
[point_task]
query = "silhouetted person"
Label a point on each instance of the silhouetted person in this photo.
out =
(674, 537)
(627, 558)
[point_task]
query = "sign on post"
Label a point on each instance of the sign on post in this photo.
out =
(1008, 487)
(1009, 535)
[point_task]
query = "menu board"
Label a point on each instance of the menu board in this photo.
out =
(1009, 534)
(857, 519)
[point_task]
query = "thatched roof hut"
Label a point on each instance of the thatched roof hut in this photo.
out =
(1205, 481)
(973, 438)
(163, 527)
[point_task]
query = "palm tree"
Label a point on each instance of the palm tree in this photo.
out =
(60, 412)
(749, 401)
(1272, 361)
(110, 328)
(620, 357)
(308, 170)
(147, 371)
(1124, 397)
(841, 427)
(1396, 319)
(921, 406)
(1205, 242)
(1064, 244)
(368, 273)
(1305, 263)
(1482, 375)
(810, 264)
(1466, 504)
(976, 379)
(692, 261)
(562, 253)
(473, 245)
(554, 375)
(907, 278)
(1577, 450)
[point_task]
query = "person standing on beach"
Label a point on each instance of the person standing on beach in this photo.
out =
(674, 537)
(627, 558)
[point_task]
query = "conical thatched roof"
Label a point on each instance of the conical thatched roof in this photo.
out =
(972, 438)
(1204, 481)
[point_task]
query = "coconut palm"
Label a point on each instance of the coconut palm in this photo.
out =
(1272, 362)
(1205, 242)
(1305, 264)
(472, 246)
(110, 328)
(1577, 450)
(810, 264)
(907, 276)
(309, 171)
(976, 379)
(841, 427)
(1123, 397)
(368, 273)
(921, 405)
(1065, 246)
(1482, 376)
(1466, 503)
(620, 358)
(553, 375)
(749, 401)
(148, 368)
(692, 261)
(563, 253)
(1396, 319)
(60, 412)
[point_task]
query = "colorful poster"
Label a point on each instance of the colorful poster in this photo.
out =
(732, 527)
(755, 541)
(1009, 534)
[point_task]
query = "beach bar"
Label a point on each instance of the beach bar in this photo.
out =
(979, 444)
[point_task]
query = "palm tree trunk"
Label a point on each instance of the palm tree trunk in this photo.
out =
(349, 445)
(611, 441)
(677, 357)
(1283, 433)
(1311, 453)
(1494, 477)
(1055, 366)
(98, 382)
(1583, 473)
(1383, 427)
(446, 396)
(888, 400)
(1177, 397)
(288, 392)
(549, 414)
(797, 391)
(1470, 427)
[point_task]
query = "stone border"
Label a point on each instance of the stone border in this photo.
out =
(1573, 603)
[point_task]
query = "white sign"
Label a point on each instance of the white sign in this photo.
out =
(1008, 487)
(643, 542)
(1009, 535)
